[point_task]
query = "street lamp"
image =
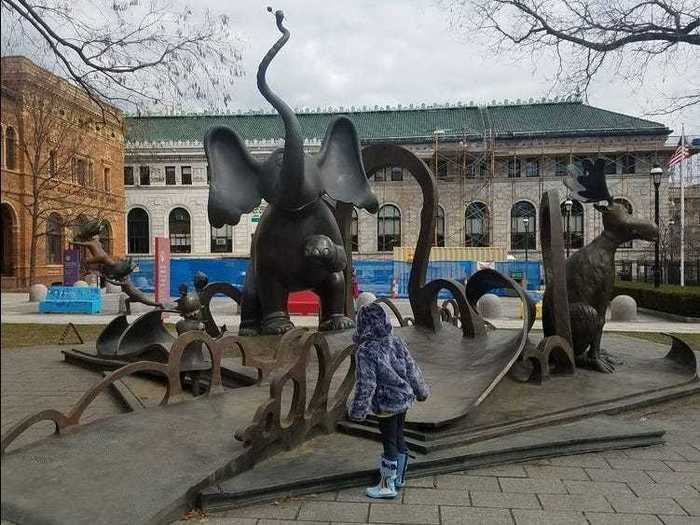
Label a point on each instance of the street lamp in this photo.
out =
(526, 221)
(656, 173)
(568, 204)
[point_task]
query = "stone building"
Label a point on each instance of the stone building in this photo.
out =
(492, 165)
(63, 151)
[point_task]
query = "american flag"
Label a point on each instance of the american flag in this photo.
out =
(681, 153)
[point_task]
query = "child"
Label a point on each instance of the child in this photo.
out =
(387, 382)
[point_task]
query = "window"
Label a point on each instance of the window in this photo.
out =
(477, 168)
(222, 239)
(179, 226)
(391, 173)
(439, 236)
(106, 237)
(513, 168)
(11, 149)
(107, 178)
(170, 175)
(561, 166)
(128, 175)
(476, 225)
(610, 166)
(441, 168)
(186, 172)
(354, 231)
(145, 175)
(80, 171)
(378, 175)
(532, 168)
(629, 164)
(53, 168)
(396, 174)
(573, 226)
(523, 226)
(138, 231)
(388, 228)
(628, 207)
(54, 239)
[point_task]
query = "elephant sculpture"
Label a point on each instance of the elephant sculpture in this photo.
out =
(297, 244)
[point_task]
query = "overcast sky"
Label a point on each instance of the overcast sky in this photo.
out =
(354, 53)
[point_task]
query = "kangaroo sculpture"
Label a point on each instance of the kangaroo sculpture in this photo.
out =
(590, 272)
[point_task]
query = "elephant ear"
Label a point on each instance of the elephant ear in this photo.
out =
(235, 177)
(342, 173)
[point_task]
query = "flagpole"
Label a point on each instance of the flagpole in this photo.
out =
(682, 205)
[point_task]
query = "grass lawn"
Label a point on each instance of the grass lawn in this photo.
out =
(656, 337)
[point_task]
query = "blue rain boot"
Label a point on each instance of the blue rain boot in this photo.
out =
(385, 489)
(402, 465)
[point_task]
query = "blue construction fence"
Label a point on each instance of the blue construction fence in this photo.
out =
(373, 275)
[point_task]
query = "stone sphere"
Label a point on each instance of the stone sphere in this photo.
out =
(37, 293)
(489, 306)
(365, 298)
(80, 284)
(623, 308)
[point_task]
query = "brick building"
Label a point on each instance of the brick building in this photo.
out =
(492, 165)
(57, 140)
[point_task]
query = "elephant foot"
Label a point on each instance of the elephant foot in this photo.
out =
(607, 356)
(320, 250)
(597, 363)
(336, 322)
(276, 325)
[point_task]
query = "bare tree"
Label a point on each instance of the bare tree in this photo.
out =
(61, 179)
(133, 53)
(584, 35)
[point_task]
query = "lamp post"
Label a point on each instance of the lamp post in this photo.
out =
(656, 173)
(526, 221)
(568, 204)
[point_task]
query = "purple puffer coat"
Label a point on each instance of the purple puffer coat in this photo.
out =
(387, 378)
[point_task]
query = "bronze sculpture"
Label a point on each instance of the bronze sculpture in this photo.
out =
(590, 272)
(297, 244)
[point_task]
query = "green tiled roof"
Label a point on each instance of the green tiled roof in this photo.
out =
(546, 119)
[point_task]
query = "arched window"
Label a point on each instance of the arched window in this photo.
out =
(628, 207)
(523, 225)
(11, 148)
(354, 231)
(137, 231)
(476, 225)
(388, 228)
(9, 222)
(573, 226)
(179, 226)
(106, 237)
(222, 239)
(54, 239)
(439, 236)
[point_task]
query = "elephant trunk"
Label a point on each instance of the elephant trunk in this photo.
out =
(294, 191)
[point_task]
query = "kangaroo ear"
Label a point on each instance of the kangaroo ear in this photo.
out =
(235, 176)
(343, 175)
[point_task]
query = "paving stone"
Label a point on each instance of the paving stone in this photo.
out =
(547, 472)
(214, 519)
(679, 520)
(472, 516)
(655, 465)
(288, 522)
(408, 514)
(581, 502)
(687, 478)
(622, 475)
(663, 490)
(511, 500)
(601, 518)
(436, 496)
(548, 517)
(635, 505)
(581, 460)
(534, 486)
(688, 452)
(598, 487)
(482, 483)
(691, 504)
(659, 452)
(510, 471)
(281, 511)
(357, 494)
(425, 482)
(684, 466)
(334, 511)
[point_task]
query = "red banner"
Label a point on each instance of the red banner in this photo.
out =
(161, 279)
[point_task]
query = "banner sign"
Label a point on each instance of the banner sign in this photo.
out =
(162, 270)
(71, 266)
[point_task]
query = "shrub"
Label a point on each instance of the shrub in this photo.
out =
(679, 300)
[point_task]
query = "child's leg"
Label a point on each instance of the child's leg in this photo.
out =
(400, 441)
(388, 426)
